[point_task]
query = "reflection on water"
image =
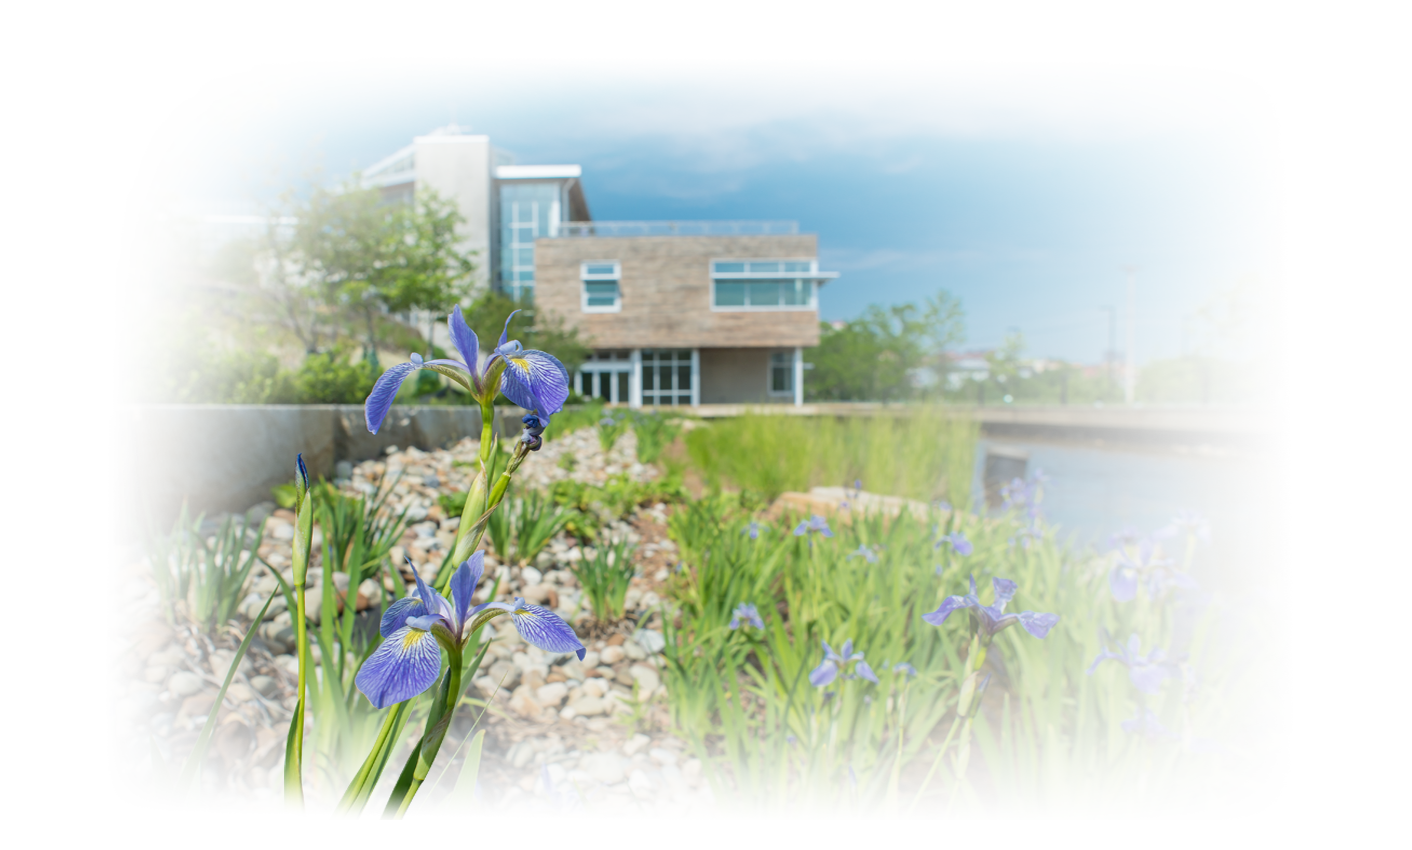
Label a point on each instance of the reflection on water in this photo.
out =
(1092, 493)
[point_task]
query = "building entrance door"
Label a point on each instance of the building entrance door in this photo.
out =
(606, 375)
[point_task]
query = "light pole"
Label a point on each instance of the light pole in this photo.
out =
(1111, 354)
(1130, 376)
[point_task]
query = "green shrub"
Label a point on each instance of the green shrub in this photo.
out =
(330, 378)
(605, 578)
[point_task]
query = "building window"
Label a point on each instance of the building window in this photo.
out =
(527, 212)
(666, 376)
(606, 374)
(600, 286)
(782, 373)
(763, 284)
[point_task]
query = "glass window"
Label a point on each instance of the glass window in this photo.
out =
(794, 293)
(797, 267)
(764, 267)
(600, 269)
(666, 376)
(730, 268)
(762, 293)
(730, 294)
(782, 373)
(601, 293)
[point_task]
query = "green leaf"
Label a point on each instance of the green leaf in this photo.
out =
(404, 784)
(203, 741)
(117, 660)
(463, 794)
(161, 777)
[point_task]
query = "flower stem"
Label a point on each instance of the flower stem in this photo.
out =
(436, 733)
(294, 754)
(937, 762)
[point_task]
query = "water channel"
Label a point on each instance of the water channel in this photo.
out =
(1096, 490)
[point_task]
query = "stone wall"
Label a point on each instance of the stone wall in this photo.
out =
(227, 457)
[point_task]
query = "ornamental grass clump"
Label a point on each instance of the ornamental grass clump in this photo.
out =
(961, 712)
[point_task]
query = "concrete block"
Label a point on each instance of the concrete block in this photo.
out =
(122, 470)
(220, 457)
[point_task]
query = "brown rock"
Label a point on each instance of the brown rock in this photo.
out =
(182, 743)
(134, 571)
(616, 640)
(234, 740)
(150, 637)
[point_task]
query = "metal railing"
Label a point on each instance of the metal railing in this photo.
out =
(678, 228)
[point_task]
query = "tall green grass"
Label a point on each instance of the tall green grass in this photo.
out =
(922, 453)
(1048, 736)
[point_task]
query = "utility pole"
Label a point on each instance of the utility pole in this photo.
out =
(1111, 354)
(1130, 376)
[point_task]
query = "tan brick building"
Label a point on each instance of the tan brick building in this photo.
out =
(706, 318)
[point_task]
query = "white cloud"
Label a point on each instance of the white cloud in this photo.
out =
(732, 115)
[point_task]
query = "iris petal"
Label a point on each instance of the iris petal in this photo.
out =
(1004, 592)
(823, 674)
(544, 629)
(505, 334)
(384, 391)
(536, 380)
(1123, 583)
(1148, 677)
(464, 338)
(396, 615)
(948, 605)
(403, 666)
(867, 672)
(463, 584)
(1038, 624)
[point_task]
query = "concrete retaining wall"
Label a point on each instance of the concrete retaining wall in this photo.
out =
(227, 457)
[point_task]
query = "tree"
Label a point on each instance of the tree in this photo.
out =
(876, 357)
(367, 258)
(143, 89)
(281, 194)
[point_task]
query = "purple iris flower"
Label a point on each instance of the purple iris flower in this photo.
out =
(534, 431)
(747, 613)
(827, 671)
(1190, 522)
(408, 660)
(562, 804)
(864, 552)
(815, 523)
(753, 529)
(904, 667)
(1147, 566)
(1125, 537)
(1155, 733)
(959, 544)
(1014, 494)
(1146, 673)
(992, 619)
(535, 380)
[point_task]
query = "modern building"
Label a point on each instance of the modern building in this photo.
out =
(506, 206)
(719, 316)
(1282, 331)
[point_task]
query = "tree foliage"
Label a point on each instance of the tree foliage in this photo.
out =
(876, 357)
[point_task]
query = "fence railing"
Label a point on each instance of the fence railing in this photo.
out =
(678, 228)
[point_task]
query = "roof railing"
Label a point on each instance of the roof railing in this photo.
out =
(678, 228)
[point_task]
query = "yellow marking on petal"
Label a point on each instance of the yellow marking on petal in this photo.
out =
(412, 638)
(521, 362)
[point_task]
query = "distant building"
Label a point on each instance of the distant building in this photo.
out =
(715, 315)
(1282, 350)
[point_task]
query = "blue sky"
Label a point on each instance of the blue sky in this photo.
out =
(1022, 200)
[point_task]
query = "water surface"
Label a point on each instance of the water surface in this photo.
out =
(1096, 490)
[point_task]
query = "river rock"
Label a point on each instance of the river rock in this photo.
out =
(531, 576)
(650, 640)
(636, 745)
(647, 679)
(691, 771)
(266, 686)
(183, 683)
(552, 694)
(238, 693)
(607, 768)
(589, 706)
(611, 655)
(523, 703)
(634, 650)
